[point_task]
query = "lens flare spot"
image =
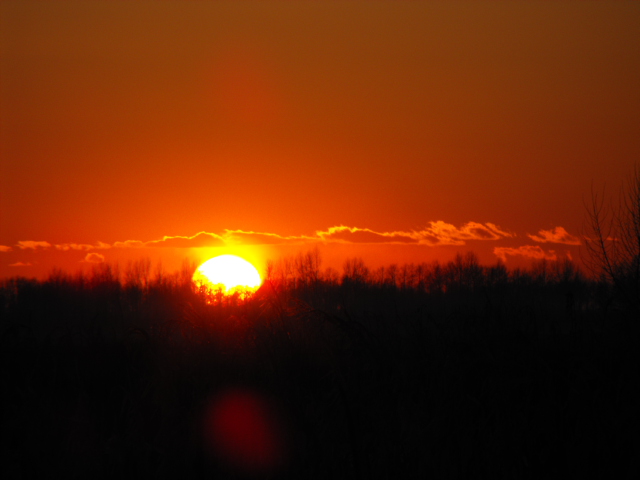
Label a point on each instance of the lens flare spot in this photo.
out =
(243, 432)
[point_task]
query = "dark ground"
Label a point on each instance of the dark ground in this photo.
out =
(508, 380)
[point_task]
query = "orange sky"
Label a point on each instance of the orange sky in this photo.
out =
(395, 131)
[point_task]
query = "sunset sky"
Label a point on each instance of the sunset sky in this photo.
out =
(393, 131)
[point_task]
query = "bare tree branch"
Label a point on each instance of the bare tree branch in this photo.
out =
(613, 241)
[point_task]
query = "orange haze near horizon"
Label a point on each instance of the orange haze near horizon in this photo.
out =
(392, 131)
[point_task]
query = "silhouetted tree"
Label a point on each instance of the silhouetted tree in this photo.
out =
(435, 278)
(613, 241)
(355, 272)
(464, 273)
(391, 275)
(307, 266)
(496, 275)
(137, 274)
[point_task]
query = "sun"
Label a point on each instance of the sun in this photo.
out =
(229, 273)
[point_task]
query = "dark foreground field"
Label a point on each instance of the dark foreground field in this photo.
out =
(510, 376)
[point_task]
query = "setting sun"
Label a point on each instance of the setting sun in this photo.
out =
(229, 272)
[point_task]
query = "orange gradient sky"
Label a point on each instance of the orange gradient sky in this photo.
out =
(395, 131)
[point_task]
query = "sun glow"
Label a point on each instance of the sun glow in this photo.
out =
(228, 273)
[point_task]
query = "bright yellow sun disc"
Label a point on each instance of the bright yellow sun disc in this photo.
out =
(229, 272)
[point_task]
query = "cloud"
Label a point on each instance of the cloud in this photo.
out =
(531, 251)
(200, 239)
(93, 258)
(208, 239)
(344, 234)
(20, 264)
(557, 235)
(81, 246)
(438, 233)
(129, 244)
(441, 233)
(261, 238)
(4, 248)
(30, 244)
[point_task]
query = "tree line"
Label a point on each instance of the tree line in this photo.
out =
(463, 273)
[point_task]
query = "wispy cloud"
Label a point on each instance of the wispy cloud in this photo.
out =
(557, 235)
(129, 244)
(4, 248)
(81, 246)
(208, 239)
(343, 234)
(437, 233)
(20, 264)
(261, 238)
(93, 258)
(30, 244)
(531, 251)
(442, 233)
(200, 239)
